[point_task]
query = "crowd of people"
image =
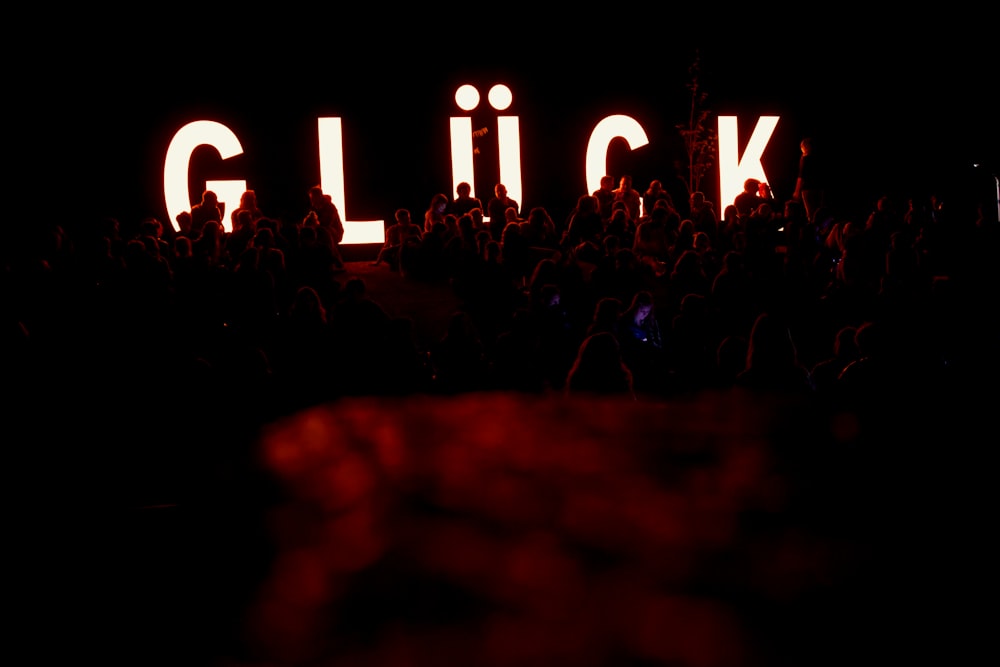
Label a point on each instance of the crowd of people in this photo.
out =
(635, 292)
(141, 361)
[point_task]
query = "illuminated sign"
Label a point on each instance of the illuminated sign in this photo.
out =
(734, 169)
(508, 141)
(175, 167)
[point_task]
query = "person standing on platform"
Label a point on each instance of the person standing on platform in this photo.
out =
(810, 187)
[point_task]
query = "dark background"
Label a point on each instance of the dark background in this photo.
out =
(903, 105)
(900, 105)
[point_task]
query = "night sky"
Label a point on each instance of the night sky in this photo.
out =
(899, 110)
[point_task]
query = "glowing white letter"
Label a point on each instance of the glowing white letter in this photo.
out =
(175, 167)
(733, 171)
(331, 179)
(604, 133)
(508, 140)
(462, 169)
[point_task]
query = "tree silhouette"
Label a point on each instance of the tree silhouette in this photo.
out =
(700, 138)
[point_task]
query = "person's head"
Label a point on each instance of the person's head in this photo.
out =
(264, 237)
(625, 258)
(770, 343)
(626, 182)
(538, 216)
(212, 230)
(511, 232)
(551, 295)
(243, 219)
(355, 287)
(655, 186)
(183, 220)
(510, 214)
(608, 309)
(751, 185)
(477, 217)
(463, 189)
(439, 203)
(308, 235)
(403, 216)
(844, 341)
(806, 146)
(607, 182)
(182, 246)
(793, 209)
(642, 305)
(316, 195)
(248, 199)
(697, 199)
(466, 225)
(598, 367)
(209, 198)
(500, 190)
(152, 227)
(587, 203)
(307, 305)
(273, 259)
(491, 249)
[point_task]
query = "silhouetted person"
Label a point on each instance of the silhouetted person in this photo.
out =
(209, 208)
(463, 202)
(607, 317)
(585, 226)
(652, 241)
(754, 194)
(324, 213)
(539, 232)
(496, 209)
(629, 196)
(641, 339)
(772, 364)
(810, 182)
(825, 373)
(401, 233)
(599, 369)
(605, 195)
(654, 193)
(248, 204)
(436, 209)
(704, 215)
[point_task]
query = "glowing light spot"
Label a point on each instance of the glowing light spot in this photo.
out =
(467, 97)
(500, 97)
(610, 128)
(177, 164)
(733, 170)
